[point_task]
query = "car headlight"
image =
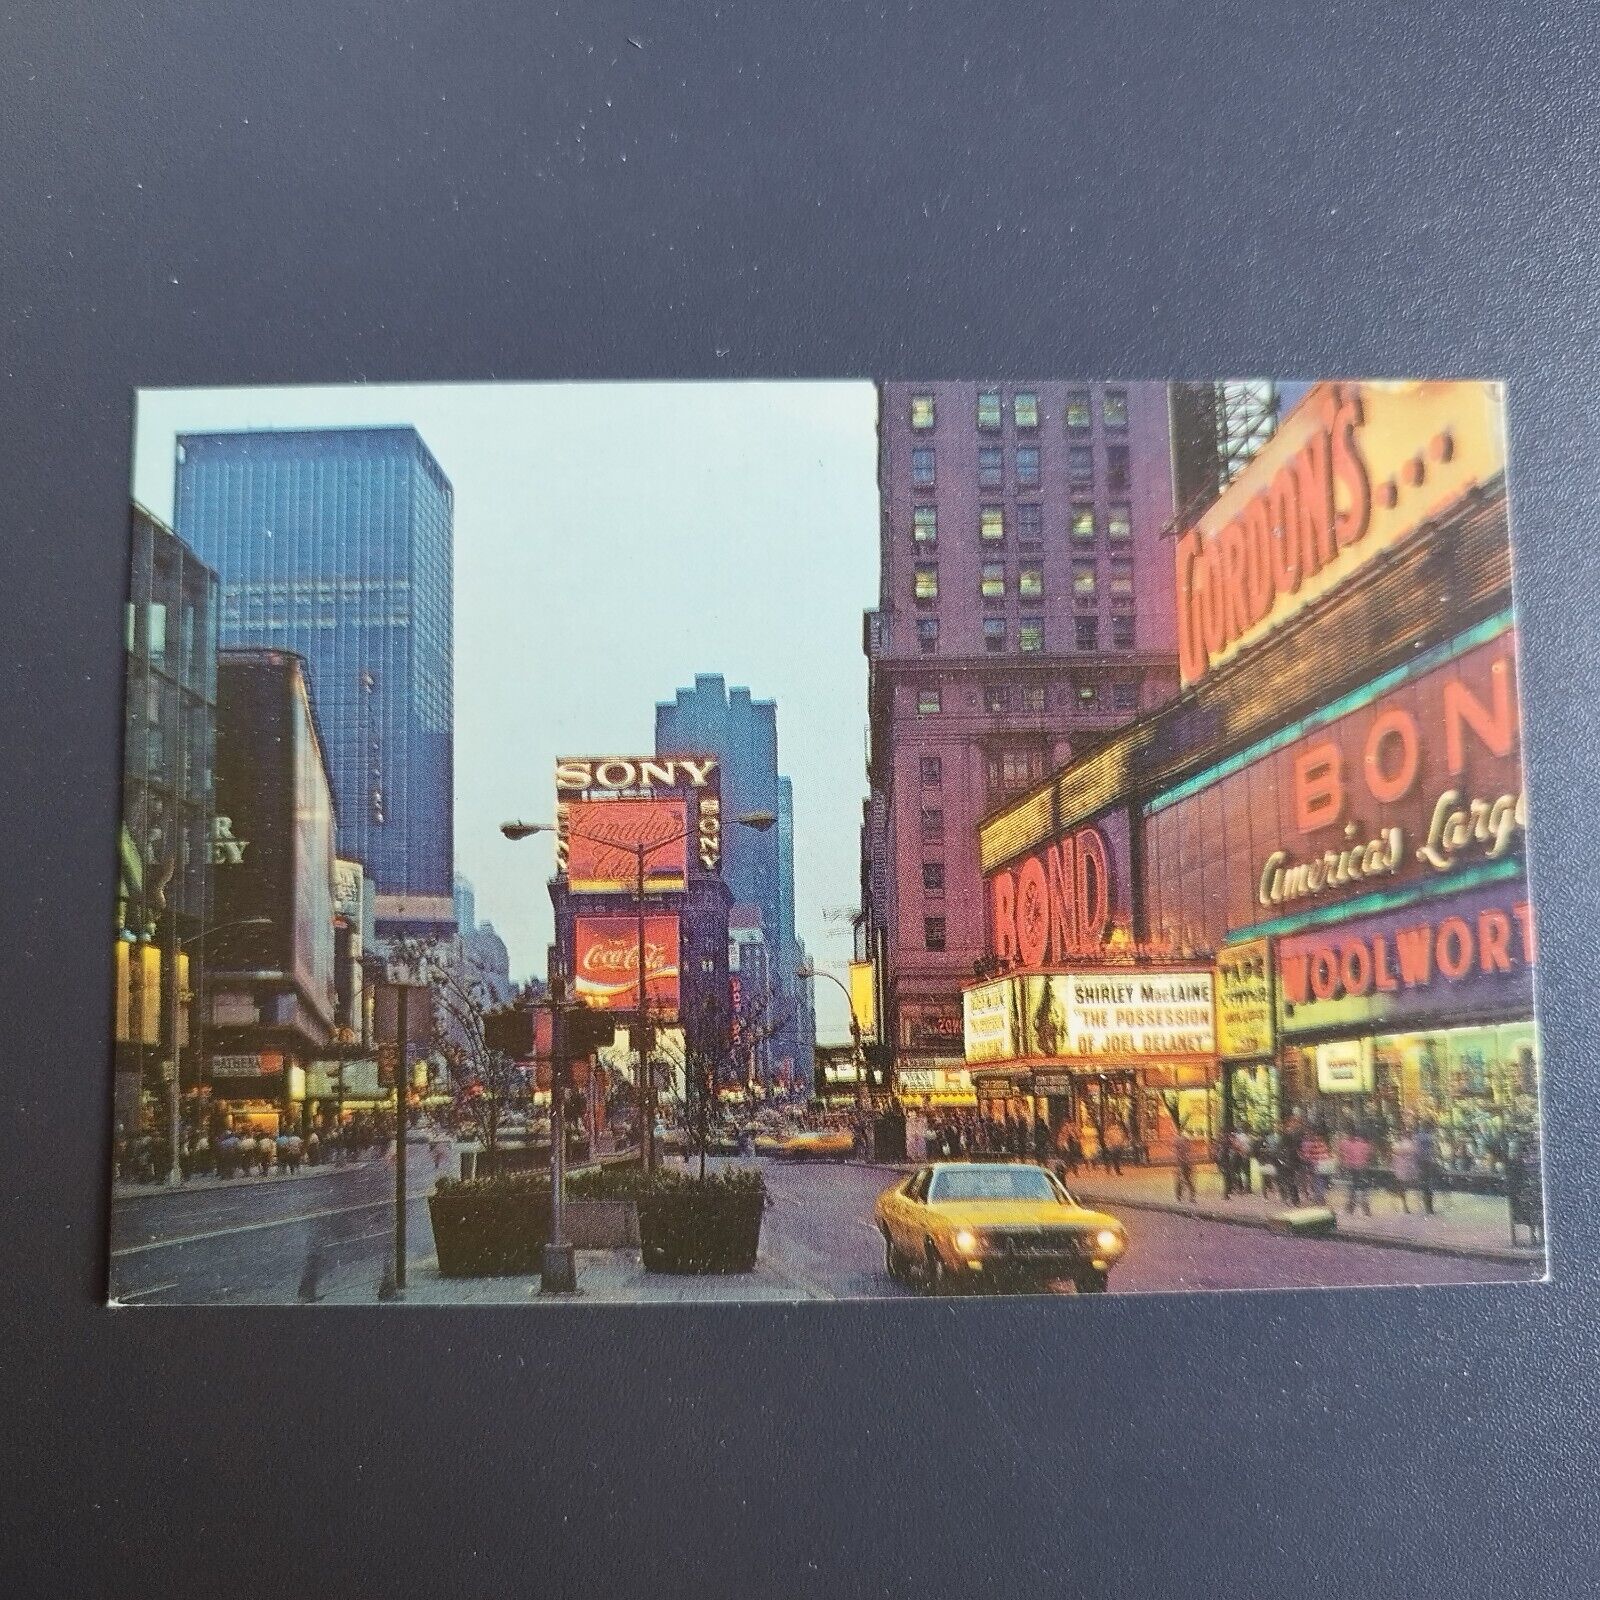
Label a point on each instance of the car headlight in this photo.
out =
(966, 1241)
(1107, 1239)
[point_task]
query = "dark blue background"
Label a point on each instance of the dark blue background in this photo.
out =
(214, 191)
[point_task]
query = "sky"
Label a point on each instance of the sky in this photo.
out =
(611, 541)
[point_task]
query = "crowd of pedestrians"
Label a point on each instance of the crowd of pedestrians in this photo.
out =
(243, 1151)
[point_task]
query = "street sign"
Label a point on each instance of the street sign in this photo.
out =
(388, 1064)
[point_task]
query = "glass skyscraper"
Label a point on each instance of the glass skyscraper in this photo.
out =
(337, 543)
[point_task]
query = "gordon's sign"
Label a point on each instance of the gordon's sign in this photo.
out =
(1350, 471)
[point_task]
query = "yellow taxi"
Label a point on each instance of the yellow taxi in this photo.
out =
(999, 1225)
(823, 1144)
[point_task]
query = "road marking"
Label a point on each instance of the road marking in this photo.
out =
(256, 1227)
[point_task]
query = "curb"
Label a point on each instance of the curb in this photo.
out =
(148, 1191)
(1519, 1255)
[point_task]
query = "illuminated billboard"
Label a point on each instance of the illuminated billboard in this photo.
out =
(606, 962)
(604, 840)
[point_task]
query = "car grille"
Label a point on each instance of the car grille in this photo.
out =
(1035, 1241)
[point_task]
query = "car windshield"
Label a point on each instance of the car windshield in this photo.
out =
(994, 1183)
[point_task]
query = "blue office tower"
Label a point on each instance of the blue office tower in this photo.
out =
(337, 543)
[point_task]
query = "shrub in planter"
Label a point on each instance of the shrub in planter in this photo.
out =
(690, 1224)
(490, 1227)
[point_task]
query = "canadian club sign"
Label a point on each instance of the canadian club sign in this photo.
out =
(607, 805)
(606, 962)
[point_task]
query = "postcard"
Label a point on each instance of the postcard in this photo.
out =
(650, 843)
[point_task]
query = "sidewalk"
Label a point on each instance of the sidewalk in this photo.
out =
(146, 1191)
(1462, 1224)
(605, 1277)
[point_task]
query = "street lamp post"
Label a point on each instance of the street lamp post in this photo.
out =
(174, 1001)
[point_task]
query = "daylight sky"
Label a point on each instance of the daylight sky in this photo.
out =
(611, 540)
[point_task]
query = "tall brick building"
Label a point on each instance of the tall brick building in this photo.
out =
(1025, 608)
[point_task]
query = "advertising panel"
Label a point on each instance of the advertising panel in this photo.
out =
(1463, 956)
(607, 962)
(1244, 1001)
(989, 1021)
(864, 999)
(1123, 1015)
(1345, 1067)
(601, 840)
(1065, 898)
(1349, 472)
(694, 780)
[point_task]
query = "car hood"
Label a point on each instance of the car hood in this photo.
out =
(1018, 1214)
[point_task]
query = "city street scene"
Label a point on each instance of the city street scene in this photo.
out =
(689, 842)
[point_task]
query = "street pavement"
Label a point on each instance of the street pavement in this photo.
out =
(285, 1241)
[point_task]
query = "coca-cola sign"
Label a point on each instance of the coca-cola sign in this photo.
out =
(606, 962)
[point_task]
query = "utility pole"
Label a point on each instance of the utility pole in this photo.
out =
(647, 1082)
(401, 1067)
(558, 1272)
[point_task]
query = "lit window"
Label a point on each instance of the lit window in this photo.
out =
(922, 412)
(925, 526)
(992, 581)
(1086, 633)
(1114, 408)
(1117, 468)
(932, 825)
(1025, 408)
(991, 467)
(928, 635)
(1030, 523)
(992, 524)
(1083, 524)
(926, 584)
(933, 932)
(1083, 583)
(1121, 579)
(933, 876)
(994, 634)
(989, 410)
(1028, 466)
(927, 702)
(1122, 633)
(1030, 635)
(1033, 697)
(932, 771)
(1078, 414)
(1030, 583)
(1080, 463)
(1119, 525)
(996, 697)
(1125, 695)
(1087, 694)
(922, 466)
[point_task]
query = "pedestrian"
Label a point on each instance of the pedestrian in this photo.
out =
(1291, 1166)
(1404, 1165)
(1183, 1174)
(283, 1149)
(297, 1152)
(1355, 1160)
(1317, 1162)
(1427, 1164)
(264, 1153)
(1041, 1140)
(313, 1148)
(1074, 1152)
(1116, 1144)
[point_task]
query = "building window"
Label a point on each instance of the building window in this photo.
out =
(991, 467)
(1030, 523)
(1121, 580)
(992, 580)
(922, 466)
(989, 410)
(1125, 695)
(1028, 466)
(994, 635)
(1033, 697)
(1011, 770)
(1087, 694)
(1082, 526)
(1080, 463)
(1083, 579)
(933, 932)
(928, 635)
(992, 524)
(1119, 525)
(1117, 468)
(922, 412)
(1122, 632)
(1086, 633)
(1078, 414)
(932, 825)
(1030, 635)
(933, 877)
(932, 771)
(1025, 408)
(1114, 408)
(996, 698)
(1030, 583)
(925, 527)
(926, 584)
(927, 702)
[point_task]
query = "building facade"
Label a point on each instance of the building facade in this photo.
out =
(758, 867)
(165, 846)
(337, 544)
(1025, 607)
(274, 982)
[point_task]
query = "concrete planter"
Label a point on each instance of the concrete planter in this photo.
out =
(601, 1224)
